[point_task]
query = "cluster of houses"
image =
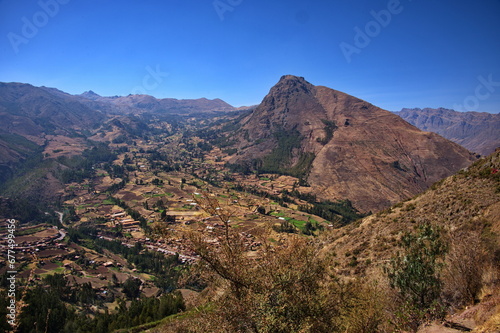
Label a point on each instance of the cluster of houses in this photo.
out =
(39, 241)
(121, 218)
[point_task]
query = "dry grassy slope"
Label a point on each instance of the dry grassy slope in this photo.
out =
(469, 201)
(361, 156)
(374, 158)
(45, 109)
(465, 204)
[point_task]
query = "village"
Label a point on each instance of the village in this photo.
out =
(144, 204)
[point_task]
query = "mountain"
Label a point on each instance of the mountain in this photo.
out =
(139, 104)
(343, 147)
(90, 95)
(34, 113)
(477, 131)
(41, 126)
(43, 109)
(29, 115)
(37, 124)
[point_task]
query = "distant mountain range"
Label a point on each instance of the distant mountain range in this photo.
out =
(343, 147)
(32, 117)
(144, 103)
(477, 131)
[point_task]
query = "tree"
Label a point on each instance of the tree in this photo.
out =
(114, 280)
(414, 274)
(466, 262)
(290, 287)
(131, 287)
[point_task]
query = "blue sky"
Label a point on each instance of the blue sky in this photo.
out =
(392, 53)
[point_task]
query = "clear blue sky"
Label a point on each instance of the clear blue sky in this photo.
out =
(428, 54)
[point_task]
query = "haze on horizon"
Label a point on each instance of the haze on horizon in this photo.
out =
(393, 53)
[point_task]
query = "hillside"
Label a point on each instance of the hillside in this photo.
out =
(477, 131)
(34, 119)
(467, 201)
(30, 111)
(39, 124)
(343, 147)
(34, 112)
(466, 207)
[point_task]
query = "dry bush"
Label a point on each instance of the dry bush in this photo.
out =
(366, 309)
(465, 266)
(291, 289)
(488, 315)
(288, 287)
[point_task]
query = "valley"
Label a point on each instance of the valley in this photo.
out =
(113, 211)
(235, 166)
(196, 208)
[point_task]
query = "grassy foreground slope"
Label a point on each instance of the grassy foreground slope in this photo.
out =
(466, 209)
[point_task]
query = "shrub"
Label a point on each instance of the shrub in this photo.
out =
(291, 287)
(465, 265)
(414, 275)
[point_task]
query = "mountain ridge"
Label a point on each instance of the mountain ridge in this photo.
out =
(476, 131)
(36, 120)
(148, 103)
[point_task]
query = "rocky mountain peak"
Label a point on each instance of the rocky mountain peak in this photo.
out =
(292, 84)
(90, 95)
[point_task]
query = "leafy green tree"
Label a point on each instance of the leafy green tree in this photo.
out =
(45, 312)
(414, 274)
(131, 288)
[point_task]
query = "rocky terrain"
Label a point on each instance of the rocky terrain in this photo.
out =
(476, 131)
